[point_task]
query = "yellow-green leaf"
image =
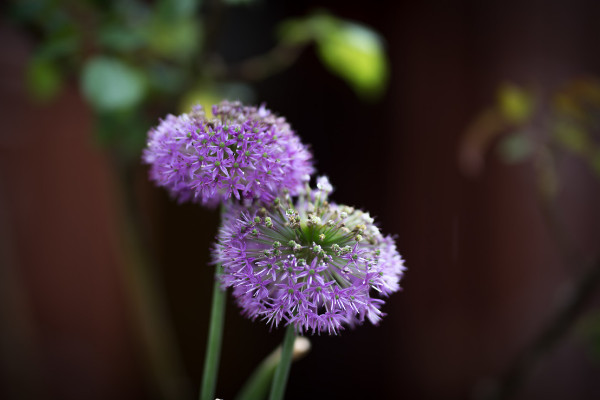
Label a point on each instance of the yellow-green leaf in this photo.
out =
(516, 104)
(356, 54)
(595, 162)
(573, 137)
(205, 97)
(352, 51)
(174, 40)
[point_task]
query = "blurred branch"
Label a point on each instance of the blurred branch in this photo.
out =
(575, 297)
(547, 187)
(564, 318)
(259, 67)
(19, 359)
(565, 126)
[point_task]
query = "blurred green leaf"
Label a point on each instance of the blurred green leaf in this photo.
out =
(350, 50)
(516, 104)
(165, 77)
(109, 84)
(208, 93)
(579, 99)
(120, 38)
(356, 54)
(515, 148)
(573, 137)
(28, 10)
(588, 329)
(174, 40)
(43, 79)
(60, 45)
(49, 15)
(595, 162)
(567, 104)
(177, 9)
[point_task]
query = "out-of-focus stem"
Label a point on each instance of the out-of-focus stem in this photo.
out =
(213, 343)
(564, 318)
(152, 322)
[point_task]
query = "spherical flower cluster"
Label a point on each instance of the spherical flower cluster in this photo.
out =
(243, 152)
(313, 264)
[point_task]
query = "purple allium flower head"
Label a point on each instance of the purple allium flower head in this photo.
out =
(314, 264)
(243, 152)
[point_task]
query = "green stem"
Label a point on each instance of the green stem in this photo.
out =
(213, 343)
(259, 383)
(283, 369)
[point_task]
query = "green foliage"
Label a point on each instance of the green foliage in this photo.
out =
(109, 84)
(176, 9)
(515, 147)
(134, 58)
(576, 120)
(43, 79)
(118, 38)
(356, 54)
(515, 103)
(173, 40)
(596, 162)
(46, 70)
(352, 51)
(567, 122)
(572, 137)
(207, 94)
(588, 329)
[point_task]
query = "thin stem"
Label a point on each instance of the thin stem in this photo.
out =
(213, 343)
(257, 386)
(152, 321)
(283, 369)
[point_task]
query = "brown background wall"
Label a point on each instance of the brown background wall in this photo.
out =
(484, 270)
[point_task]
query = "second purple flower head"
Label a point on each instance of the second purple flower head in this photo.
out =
(243, 152)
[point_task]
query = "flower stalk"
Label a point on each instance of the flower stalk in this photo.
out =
(258, 384)
(214, 340)
(283, 369)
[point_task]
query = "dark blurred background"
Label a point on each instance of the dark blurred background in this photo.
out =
(105, 283)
